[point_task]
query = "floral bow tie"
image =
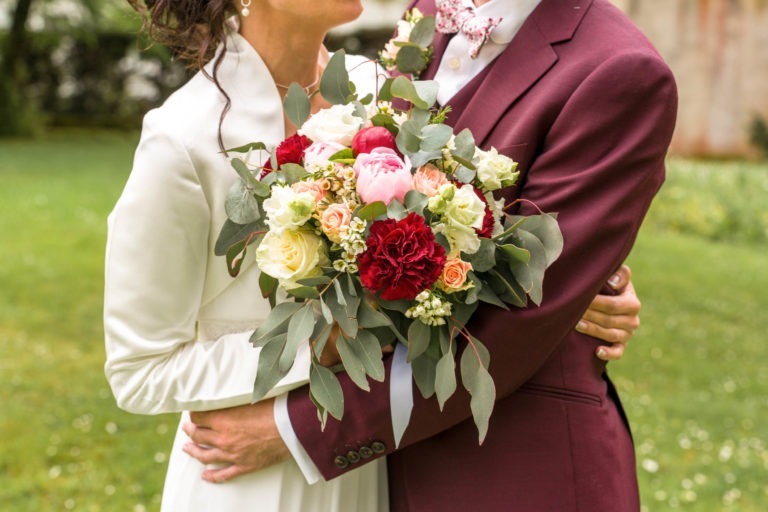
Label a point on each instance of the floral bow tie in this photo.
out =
(461, 16)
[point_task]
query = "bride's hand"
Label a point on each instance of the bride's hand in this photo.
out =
(613, 318)
(239, 440)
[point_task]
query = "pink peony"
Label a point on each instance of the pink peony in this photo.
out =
(382, 176)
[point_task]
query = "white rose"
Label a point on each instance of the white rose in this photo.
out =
(495, 171)
(287, 209)
(292, 255)
(463, 214)
(335, 124)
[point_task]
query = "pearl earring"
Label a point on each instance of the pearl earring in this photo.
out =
(245, 11)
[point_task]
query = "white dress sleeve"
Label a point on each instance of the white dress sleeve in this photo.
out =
(157, 254)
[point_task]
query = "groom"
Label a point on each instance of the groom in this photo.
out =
(572, 91)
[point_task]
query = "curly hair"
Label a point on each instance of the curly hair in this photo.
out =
(192, 30)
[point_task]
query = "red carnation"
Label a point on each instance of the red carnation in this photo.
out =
(290, 151)
(488, 221)
(403, 258)
(368, 139)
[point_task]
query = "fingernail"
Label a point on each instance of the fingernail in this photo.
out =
(601, 353)
(581, 326)
(614, 280)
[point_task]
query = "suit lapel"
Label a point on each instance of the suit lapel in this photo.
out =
(485, 99)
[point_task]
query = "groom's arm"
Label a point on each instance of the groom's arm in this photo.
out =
(603, 163)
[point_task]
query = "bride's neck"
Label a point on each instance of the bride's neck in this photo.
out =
(289, 52)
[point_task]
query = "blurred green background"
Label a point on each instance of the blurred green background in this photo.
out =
(694, 380)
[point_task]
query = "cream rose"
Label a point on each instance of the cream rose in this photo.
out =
(495, 171)
(461, 212)
(335, 220)
(292, 255)
(428, 180)
(454, 276)
(336, 124)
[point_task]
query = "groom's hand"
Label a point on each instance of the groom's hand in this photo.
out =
(239, 439)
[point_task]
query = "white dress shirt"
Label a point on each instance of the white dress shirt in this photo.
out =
(457, 68)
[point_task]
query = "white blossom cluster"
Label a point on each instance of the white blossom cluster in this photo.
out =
(430, 308)
(353, 245)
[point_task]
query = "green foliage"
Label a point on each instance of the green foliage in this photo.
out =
(758, 134)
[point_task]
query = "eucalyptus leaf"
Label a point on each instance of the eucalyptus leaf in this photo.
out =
(464, 173)
(304, 292)
(276, 319)
(368, 351)
(507, 287)
(372, 210)
(232, 233)
(268, 371)
(352, 364)
(385, 91)
(482, 402)
(406, 89)
(396, 210)
(267, 285)
(240, 204)
(427, 92)
(424, 369)
(410, 59)
(251, 146)
(512, 252)
(235, 256)
(320, 335)
(530, 275)
(334, 84)
(342, 154)
(326, 390)
(314, 281)
(421, 158)
(408, 139)
(368, 317)
(435, 137)
(300, 327)
(423, 32)
(293, 173)
(475, 355)
(419, 335)
(485, 258)
(296, 104)
(547, 230)
(445, 378)
(486, 294)
(415, 201)
(465, 145)
(385, 121)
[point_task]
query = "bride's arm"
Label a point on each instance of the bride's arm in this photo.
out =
(157, 255)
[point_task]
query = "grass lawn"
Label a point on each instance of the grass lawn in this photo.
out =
(694, 382)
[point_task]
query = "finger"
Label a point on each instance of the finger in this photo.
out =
(612, 352)
(220, 475)
(207, 455)
(201, 418)
(628, 323)
(620, 278)
(387, 349)
(605, 334)
(200, 435)
(626, 303)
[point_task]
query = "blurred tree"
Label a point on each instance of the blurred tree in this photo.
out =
(16, 116)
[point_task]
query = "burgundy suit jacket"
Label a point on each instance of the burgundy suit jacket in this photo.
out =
(587, 107)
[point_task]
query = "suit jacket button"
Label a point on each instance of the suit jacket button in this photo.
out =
(366, 452)
(341, 462)
(378, 447)
(353, 456)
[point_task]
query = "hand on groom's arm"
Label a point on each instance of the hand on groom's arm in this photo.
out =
(240, 439)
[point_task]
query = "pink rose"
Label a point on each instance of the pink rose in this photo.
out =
(318, 153)
(334, 220)
(428, 180)
(454, 275)
(370, 138)
(382, 176)
(314, 187)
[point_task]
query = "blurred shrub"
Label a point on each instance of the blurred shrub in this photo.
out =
(715, 200)
(758, 134)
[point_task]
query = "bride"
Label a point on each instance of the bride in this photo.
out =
(177, 326)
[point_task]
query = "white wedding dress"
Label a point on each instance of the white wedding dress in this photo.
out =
(176, 324)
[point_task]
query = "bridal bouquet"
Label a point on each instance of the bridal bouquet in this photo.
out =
(380, 224)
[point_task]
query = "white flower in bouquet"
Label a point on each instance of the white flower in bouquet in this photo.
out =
(316, 156)
(336, 124)
(391, 49)
(461, 212)
(291, 256)
(288, 209)
(495, 171)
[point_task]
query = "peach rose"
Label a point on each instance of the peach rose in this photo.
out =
(428, 180)
(315, 187)
(335, 220)
(454, 276)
